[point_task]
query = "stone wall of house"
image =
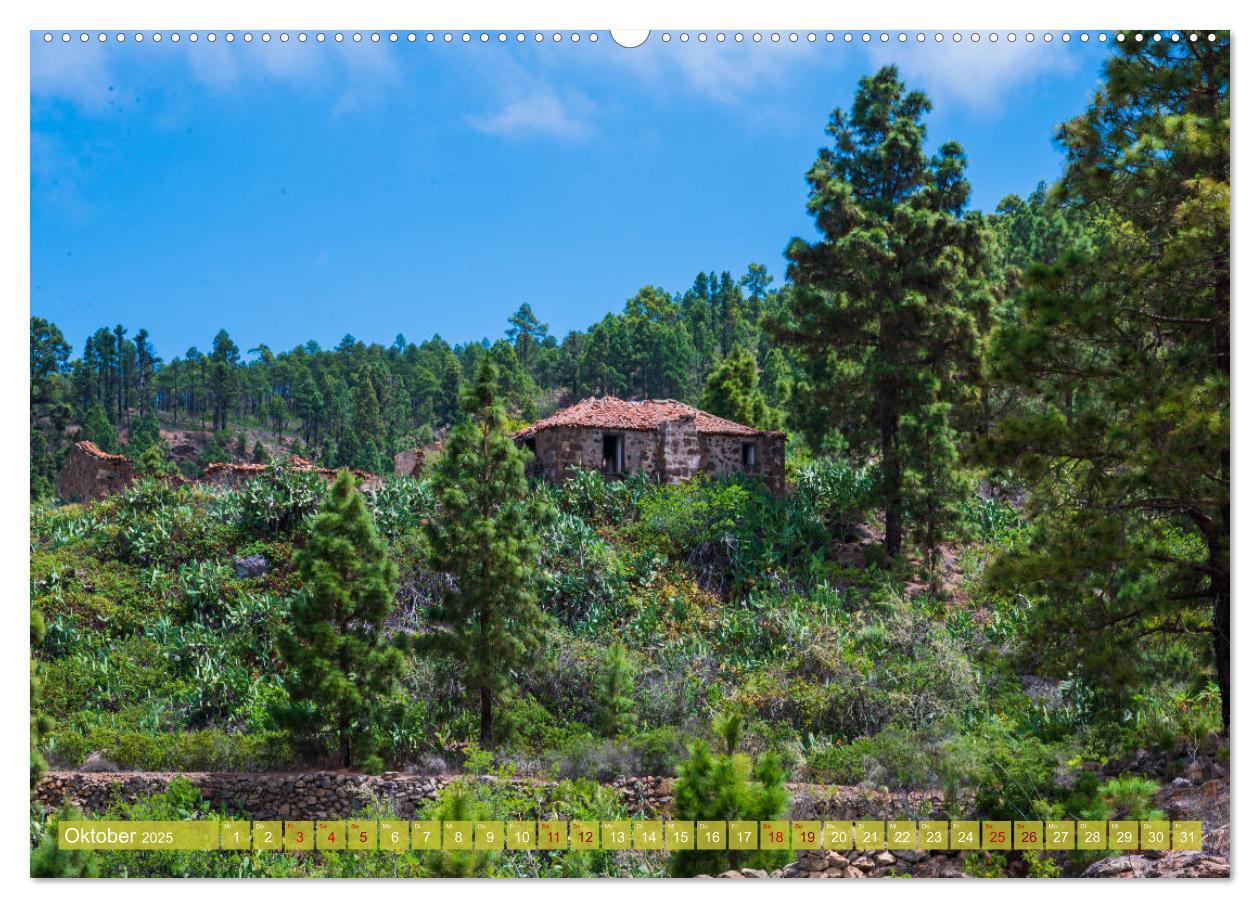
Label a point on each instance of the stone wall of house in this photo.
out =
(639, 451)
(409, 462)
(678, 449)
(674, 452)
(561, 450)
(90, 473)
(723, 455)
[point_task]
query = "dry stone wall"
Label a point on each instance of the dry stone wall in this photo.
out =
(331, 795)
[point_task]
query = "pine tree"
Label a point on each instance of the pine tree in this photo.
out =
(1123, 347)
(728, 786)
(363, 440)
(615, 714)
(153, 461)
(733, 391)
(484, 535)
(341, 662)
(99, 430)
(50, 412)
(143, 433)
(457, 804)
(884, 307)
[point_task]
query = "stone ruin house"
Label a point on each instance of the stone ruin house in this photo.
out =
(665, 439)
(235, 475)
(90, 473)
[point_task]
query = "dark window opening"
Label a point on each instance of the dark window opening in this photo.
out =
(531, 445)
(750, 456)
(614, 460)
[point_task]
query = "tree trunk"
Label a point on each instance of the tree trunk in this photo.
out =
(343, 744)
(1220, 642)
(891, 470)
(486, 719)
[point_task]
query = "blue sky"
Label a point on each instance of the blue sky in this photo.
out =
(289, 191)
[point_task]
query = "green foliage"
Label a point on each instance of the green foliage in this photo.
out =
(616, 708)
(984, 864)
(217, 450)
(153, 461)
(728, 786)
(1129, 798)
(457, 804)
(142, 434)
(1010, 773)
(40, 724)
(50, 861)
(885, 306)
(100, 431)
(737, 533)
(1041, 866)
(1121, 348)
(340, 661)
(50, 410)
(484, 534)
(732, 391)
(281, 500)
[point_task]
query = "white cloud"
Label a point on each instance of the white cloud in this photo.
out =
(77, 72)
(980, 77)
(725, 72)
(86, 73)
(541, 111)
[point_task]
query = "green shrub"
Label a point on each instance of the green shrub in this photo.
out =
(728, 786)
(48, 860)
(1041, 866)
(616, 707)
(280, 500)
(984, 864)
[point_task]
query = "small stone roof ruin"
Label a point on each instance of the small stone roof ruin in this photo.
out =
(642, 415)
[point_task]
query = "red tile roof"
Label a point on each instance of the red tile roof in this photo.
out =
(300, 464)
(643, 415)
(92, 450)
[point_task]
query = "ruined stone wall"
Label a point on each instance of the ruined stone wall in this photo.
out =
(678, 450)
(561, 450)
(639, 451)
(723, 455)
(236, 475)
(90, 473)
(409, 462)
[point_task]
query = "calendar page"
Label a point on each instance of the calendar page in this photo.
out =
(550, 451)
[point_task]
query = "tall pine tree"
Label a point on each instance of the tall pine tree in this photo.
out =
(1124, 348)
(884, 304)
(341, 662)
(485, 536)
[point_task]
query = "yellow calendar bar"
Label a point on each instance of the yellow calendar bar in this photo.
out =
(640, 834)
